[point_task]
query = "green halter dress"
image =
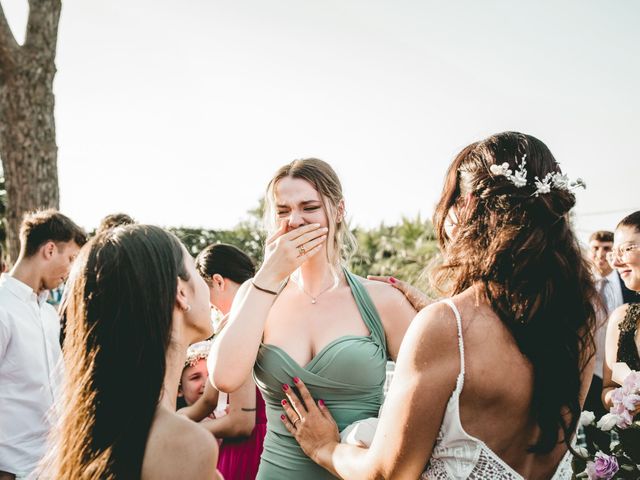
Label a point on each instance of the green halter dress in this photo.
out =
(348, 374)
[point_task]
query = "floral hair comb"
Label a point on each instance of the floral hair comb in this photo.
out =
(551, 180)
(196, 352)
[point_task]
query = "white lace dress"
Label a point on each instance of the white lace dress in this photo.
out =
(458, 455)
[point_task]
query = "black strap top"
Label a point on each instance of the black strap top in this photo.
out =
(627, 350)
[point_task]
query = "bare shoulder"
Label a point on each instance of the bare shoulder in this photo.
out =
(174, 437)
(618, 315)
(433, 333)
(384, 295)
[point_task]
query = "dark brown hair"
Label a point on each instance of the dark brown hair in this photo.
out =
(521, 248)
(43, 226)
(225, 260)
(114, 220)
(601, 236)
(632, 220)
(122, 294)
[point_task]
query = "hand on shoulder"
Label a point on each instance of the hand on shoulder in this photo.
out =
(383, 293)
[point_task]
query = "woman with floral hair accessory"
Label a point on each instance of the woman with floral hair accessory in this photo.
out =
(488, 383)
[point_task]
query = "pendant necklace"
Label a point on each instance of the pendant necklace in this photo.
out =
(314, 300)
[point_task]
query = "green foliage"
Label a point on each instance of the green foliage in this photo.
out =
(247, 236)
(402, 250)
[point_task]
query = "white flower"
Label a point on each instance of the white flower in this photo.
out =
(560, 181)
(583, 452)
(501, 170)
(520, 177)
(586, 418)
(608, 421)
(577, 183)
(544, 185)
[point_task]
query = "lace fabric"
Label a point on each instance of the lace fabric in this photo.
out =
(627, 349)
(458, 455)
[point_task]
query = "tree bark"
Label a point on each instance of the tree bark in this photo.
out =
(27, 126)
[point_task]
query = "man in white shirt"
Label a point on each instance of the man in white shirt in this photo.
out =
(30, 356)
(612, 293)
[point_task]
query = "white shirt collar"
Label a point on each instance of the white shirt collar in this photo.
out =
(21, 290)
(613, 276)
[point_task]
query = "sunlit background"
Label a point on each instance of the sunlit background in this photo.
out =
(178, 113)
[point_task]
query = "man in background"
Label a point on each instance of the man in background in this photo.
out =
(613, 293)
(30, 356)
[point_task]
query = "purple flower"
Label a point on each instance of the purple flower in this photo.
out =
(604, 467)
(632, 382)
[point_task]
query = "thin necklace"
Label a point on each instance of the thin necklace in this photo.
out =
(314, 300)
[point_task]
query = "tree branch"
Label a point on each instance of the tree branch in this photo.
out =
(42, 26)
(8, 45)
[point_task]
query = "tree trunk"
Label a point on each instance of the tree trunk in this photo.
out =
(27, 126)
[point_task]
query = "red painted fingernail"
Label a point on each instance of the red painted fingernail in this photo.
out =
(283, 402)
(282, 417)
(321, 403)
(296, 380)
(285, 387)
(392, 280)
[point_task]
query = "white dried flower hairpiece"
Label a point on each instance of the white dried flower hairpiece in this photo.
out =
(551, 180)
(197, 351)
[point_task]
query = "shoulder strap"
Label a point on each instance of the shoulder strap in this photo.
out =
(367, 309)
(460, 340)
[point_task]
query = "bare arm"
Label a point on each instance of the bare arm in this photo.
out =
(428, 361)
(234, 351)
(241, 419)
(609, 384)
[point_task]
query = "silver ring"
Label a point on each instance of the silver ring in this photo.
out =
(296, 421)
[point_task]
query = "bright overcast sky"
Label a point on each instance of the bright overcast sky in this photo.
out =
(178, 112)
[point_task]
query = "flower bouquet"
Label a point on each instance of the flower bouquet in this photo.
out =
(613, 443)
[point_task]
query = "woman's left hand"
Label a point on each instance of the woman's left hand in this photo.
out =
(312, 425)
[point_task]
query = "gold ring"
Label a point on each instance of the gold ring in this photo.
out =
(301, 250)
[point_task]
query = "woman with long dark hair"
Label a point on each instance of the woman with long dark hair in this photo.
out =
(489, 382)
(135, 303)
(622, 352)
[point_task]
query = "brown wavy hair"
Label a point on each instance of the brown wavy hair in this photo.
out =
(122, 295)
(522, 250)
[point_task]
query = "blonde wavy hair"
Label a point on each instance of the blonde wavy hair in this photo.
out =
(342, 244)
